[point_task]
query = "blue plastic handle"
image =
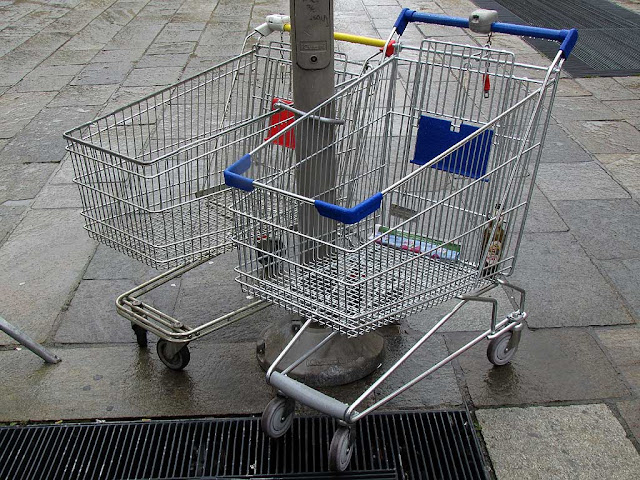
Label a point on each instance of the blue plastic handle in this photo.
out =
(233, 178)
(233, 174)
(568, 38)
(349, 215)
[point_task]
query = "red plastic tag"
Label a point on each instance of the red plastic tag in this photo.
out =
(278, 122)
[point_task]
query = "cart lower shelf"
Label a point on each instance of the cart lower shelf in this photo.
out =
(336, 291)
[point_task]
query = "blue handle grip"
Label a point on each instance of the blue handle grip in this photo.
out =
(233, 174)
(567, 37)
(351, 215)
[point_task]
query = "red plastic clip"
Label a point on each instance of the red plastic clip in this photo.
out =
(487, 85)
(390, 48)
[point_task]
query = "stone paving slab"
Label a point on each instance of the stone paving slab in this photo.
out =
(163, 60)
(11, 74)
(203, 294)
(583, 108)
(551, 365)
(175, 48)
(607, 88)
(65, 56)
(563, 286)
(103, 73)
(83, 96)
(127, 95)
(9, 217)
(625, 169)
(560, 147)
(569, 87)
(140, 34)
(625, 275)
(92, 317)
(98, 33)
(41, 140)
(18, 109)
(109, 264)
(440, 389)
(36, 278)
(21, 182)
(630, 83)
(58, 196)
(158, 76)
(576, 441)
(42, 83)
(542, 217)
(622, 344)
(630, 411)
(623, 347)
(626, 108)
(64, 174)
(607, 229)
(128, 55)
(631, 375)
(605, 136)
(578, 181)
(126, 382)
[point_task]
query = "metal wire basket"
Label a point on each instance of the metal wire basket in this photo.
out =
(150, 173)
(389, 213)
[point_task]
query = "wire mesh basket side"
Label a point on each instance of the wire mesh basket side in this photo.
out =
(427, 241)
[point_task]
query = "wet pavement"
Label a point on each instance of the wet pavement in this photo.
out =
(568, 406)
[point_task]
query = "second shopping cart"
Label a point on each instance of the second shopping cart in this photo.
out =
(150, 174)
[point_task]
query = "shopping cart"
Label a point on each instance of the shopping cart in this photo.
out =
(432, 157)
(151, 180)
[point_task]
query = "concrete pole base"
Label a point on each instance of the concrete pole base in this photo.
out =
(343, 360)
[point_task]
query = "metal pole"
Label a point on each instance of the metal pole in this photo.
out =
(313, 82)
(341, 360)
(24, 339)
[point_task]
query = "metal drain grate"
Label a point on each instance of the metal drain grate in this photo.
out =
(609, 42)
(424, 445)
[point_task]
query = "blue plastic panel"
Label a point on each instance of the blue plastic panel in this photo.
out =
(435, 136)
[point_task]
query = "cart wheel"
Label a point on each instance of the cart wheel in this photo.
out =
(141, 335)
(278, 416)
(341, 449)
(176, 362)
(498, 351)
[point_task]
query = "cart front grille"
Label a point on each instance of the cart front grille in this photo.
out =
(425, 445)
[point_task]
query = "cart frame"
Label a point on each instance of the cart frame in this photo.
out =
(359, 214)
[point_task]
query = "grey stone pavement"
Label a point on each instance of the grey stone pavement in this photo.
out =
(568, 406)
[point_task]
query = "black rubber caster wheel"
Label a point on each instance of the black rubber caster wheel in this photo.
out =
(141, 335)
(341, 449)
(498, 352)
(278, 416)
(175, 362)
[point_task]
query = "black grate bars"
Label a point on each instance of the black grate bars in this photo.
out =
(609, 35)
(420, 445)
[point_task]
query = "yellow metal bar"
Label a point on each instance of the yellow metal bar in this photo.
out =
(347, 37)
